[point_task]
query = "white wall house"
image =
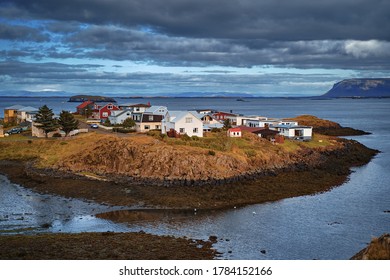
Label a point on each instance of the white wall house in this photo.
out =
(118, 117)
(138, 108)
(26, 114)
(183, 122)
(157, 110)
(147, 121)
(297, 132)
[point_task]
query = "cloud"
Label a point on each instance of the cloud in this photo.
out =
(228, 19)
(228, 34)
(364, 49)
(21, 33)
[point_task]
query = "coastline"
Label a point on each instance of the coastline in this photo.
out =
(248, 188)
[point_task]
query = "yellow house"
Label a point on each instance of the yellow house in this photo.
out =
(11, 113)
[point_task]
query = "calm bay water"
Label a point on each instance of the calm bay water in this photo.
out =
(332, 225)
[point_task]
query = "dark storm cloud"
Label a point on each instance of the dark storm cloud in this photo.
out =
(17, 68)
(21, 33)
(237, 19)
(304, 34)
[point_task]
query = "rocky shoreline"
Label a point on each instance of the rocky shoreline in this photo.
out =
(103, 246)
(252, 187)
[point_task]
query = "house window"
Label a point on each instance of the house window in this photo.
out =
(105, 114)
(110, 107)
(151, 118)
(158, 127)
(147, 127)
(195, 130)
(188, 120)
(182, 130)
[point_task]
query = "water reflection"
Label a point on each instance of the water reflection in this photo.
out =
(24, 211)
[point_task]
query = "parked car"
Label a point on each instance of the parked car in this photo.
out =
(94, 125)
(14, 130)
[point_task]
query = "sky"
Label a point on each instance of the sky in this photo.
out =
(155, 47)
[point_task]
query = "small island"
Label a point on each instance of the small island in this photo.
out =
(94, 98)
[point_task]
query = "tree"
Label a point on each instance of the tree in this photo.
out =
(45, 121)
(67, 122)
(227, 124)
(88, 111)
(128, 123)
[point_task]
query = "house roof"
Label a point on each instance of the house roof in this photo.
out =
(266, 131)
(155, 110)
(14, 107)
(28, 109)
(225, 113)
(249, 129)
(235, 129)
(84, 104)
(178, 115)
(212, 125)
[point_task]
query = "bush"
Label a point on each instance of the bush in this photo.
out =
(195, 138)
(185, 137)
(250, 153)
(211, 153)
(57, 135)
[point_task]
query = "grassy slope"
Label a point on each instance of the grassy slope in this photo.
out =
(147, 156)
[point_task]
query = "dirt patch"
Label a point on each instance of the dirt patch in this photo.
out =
(103, 246)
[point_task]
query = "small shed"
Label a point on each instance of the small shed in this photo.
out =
(235, 132)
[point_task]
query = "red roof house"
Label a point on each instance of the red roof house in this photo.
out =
(84, 106)
(235, 132)
(103, 112)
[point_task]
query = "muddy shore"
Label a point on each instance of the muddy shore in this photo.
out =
(103, 246)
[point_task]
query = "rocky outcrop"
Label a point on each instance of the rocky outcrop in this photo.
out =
(327, 127)
(158, 163)
(378, 249)
(94, 98)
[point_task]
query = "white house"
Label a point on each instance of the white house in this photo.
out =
(234, 132)
(157, 110)
(182, 122)
(26, 114)
(139, 108)
(297, 132)
(118, 117)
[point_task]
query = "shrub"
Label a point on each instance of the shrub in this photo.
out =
(211, 153)
(185, 137)
(195, 138)
(57, 135)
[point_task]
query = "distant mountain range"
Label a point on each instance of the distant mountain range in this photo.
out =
(24, 93)
(360, 88)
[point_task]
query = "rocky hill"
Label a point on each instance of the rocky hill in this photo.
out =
(360, 88)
